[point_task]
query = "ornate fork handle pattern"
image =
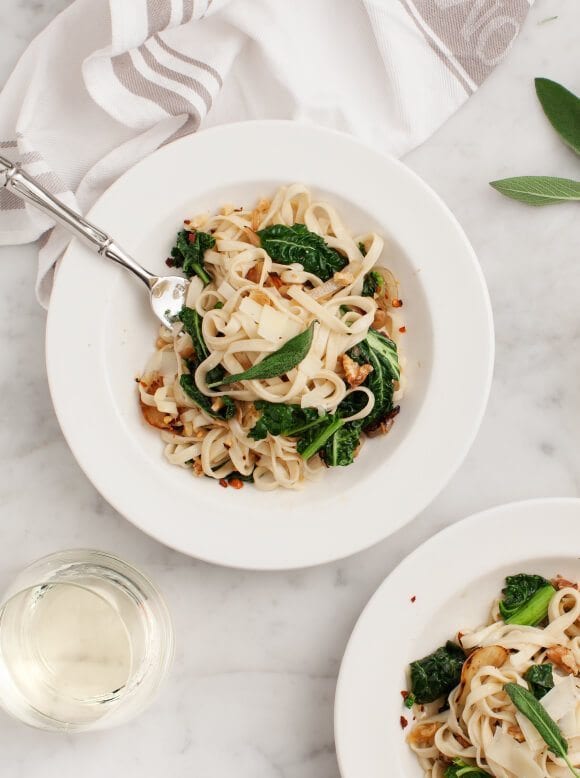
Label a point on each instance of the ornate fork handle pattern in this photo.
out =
(25, 187)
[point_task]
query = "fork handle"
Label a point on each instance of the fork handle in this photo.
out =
(25, 187)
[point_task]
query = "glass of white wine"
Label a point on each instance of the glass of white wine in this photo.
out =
(85, 641)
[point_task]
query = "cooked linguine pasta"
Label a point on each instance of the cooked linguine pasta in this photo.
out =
(482, 731)
(250, 298)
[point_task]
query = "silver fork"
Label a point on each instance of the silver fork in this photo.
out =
(167, 293)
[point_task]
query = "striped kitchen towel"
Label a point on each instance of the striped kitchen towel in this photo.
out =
(109, 81)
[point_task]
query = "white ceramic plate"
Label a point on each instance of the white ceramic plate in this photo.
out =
(454, 576)
(100, 333)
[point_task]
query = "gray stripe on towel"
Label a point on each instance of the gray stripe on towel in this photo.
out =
(171, 102)
(189, 60)
(174, 75)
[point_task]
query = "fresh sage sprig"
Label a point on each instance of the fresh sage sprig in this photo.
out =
(535, 712)
(562, 109)
(279, 362)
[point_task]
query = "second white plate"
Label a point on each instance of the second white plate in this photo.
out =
(447, 583)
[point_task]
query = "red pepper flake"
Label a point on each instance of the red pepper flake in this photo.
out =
(223, 482)
(403, 329)
(235, 483)
(397, 303)
(404, 694)
(192, 237)
(170, 262)
(404, 722)
(187, 221)
(413, 598)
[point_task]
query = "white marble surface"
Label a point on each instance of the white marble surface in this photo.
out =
(251, 692)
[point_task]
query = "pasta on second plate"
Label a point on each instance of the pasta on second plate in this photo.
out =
(285, 355)
(504, 700)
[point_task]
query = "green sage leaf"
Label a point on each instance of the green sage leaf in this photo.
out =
(562, 108)
(538, 190)
(279, 362)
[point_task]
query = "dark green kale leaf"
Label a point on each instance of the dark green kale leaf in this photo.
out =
(381, 352)
(315, 438)
(540, 679)
(436, 675)
(298, 244)
(340, 448)
(336, 440)
(387, 350)
(282, 419)
(372, 284)
(192, 323)
(189, 386)
(352, 404)
(362, 248)
(189, 251)
(526, 599)
(460, 769)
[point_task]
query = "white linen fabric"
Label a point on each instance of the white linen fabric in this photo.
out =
(110, 81)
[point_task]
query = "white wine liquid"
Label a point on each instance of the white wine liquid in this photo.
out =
(65, 649)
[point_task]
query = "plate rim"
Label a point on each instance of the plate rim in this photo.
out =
(557, 546)
(288, 561)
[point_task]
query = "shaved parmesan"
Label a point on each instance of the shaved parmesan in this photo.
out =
(311, 366)
(248, 323)
(252, 308)
(226, 290)
(516, 757)
(275, 325)
(561, 699)
(568, 724)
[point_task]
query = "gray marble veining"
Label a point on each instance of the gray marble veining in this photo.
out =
(251, 692)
